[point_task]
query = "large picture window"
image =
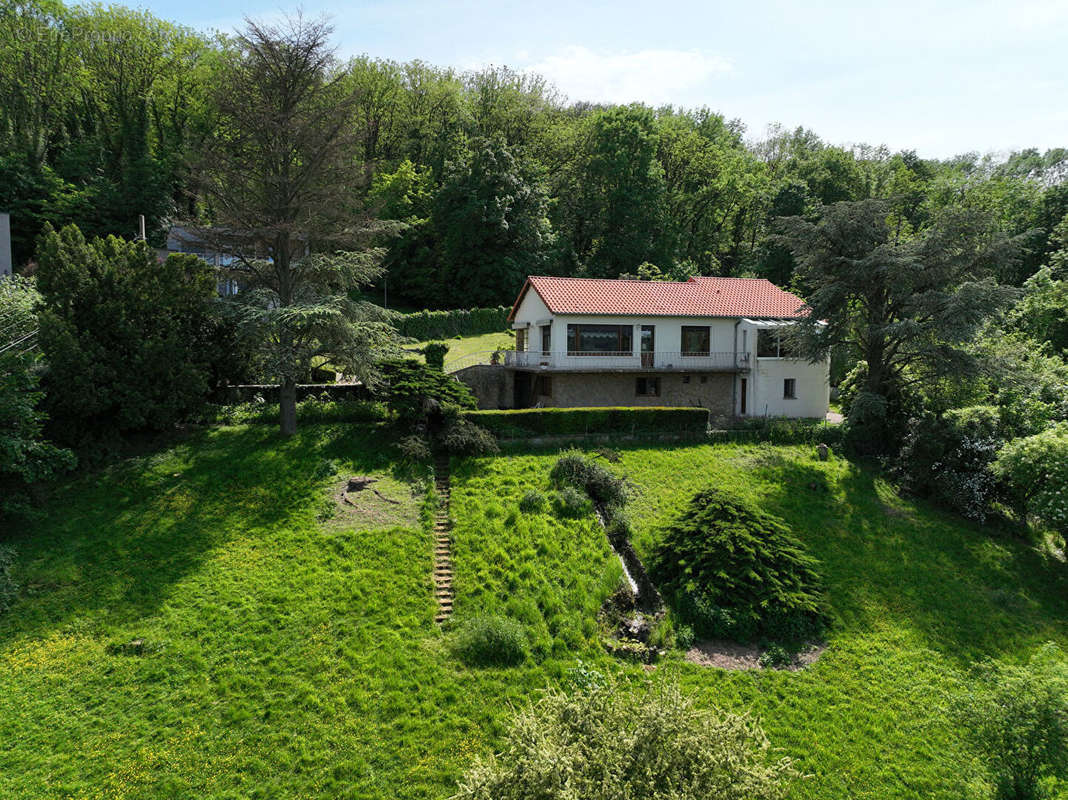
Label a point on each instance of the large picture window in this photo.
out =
(773, 344)
(600, 340)
(696, 340)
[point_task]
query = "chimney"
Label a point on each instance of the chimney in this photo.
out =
(5, 245)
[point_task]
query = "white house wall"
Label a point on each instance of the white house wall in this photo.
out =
(667, 334)
(812, 394)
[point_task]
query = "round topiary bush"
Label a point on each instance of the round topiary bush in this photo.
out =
(736, 572)
(490, 640)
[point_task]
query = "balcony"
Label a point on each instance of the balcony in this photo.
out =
(626, 362)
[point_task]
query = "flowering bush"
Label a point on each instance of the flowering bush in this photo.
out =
(1034, 472)
(947, 458)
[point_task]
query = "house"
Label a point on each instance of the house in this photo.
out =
(711, 342)
(184, 240)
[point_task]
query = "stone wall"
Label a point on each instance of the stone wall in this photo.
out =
(492, 386)
(570, 390)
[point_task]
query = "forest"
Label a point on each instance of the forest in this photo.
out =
(105, 114)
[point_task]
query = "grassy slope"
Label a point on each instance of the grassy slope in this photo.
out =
(300, 659)
(470, 345)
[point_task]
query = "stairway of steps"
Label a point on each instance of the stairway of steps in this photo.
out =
(442, 542)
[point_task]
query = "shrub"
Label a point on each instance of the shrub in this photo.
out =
(684, 637)
(411, 389)
(775, 656)
(617, 526)
(129, 341)
(1034, 472)
(734, 571)
(570, 503)
(527, 422)
(947, 458)
(1017, 717)
(491, 640)
(8, 588)
(574, 469)
(415, 450)
(434, 353)
(533, 502)
(464, 438)
(645, 743)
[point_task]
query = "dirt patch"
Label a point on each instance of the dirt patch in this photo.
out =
(367, 502)
(731, 655)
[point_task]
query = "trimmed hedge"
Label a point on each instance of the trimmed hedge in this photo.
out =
(424, 325)
(522, 423)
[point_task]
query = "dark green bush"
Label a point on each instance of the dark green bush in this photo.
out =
(528, 422)
(948, 458)
(775, 656)
(434, 353)
(602, 486)
(533, 502)
(464, 438)
(424, 325)
(684, 637)
(570, 503)
(734, 571)
(490, 640)
(8, 588)
(408, 387)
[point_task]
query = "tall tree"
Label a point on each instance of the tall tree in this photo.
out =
(907, 302)
(280, 175)
(128, 341)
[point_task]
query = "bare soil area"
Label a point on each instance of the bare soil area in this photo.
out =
(731, 655)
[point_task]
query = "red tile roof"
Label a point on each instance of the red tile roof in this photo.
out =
(697, 297)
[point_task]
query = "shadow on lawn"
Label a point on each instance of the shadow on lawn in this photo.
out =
(969, 591)
(113, 543)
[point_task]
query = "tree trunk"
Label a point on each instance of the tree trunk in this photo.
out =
(287, 401)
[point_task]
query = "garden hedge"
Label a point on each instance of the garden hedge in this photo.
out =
(521, 423)
(425, 325)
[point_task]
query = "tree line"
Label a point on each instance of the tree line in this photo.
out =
(106, 113)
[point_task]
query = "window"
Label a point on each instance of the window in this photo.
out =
(773, 344)
(647, 387)
(600, 340)
(696, 340)
(789, 388)
(704, 379)
(546, 339)
(685, 378)
(521, 340)
(543, 386)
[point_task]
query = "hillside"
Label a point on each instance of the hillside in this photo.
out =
(287, 646)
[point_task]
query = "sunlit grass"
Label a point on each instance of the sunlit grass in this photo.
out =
(290, 654)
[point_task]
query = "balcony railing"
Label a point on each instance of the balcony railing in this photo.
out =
(586, 361)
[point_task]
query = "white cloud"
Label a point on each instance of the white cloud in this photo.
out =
(651, 76)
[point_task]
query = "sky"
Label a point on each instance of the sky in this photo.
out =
(940, 78)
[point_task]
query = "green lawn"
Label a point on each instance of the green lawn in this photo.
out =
(467, 347)
(290, 649)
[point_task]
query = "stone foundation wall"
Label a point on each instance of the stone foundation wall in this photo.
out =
(571, 390)
(492, 386)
